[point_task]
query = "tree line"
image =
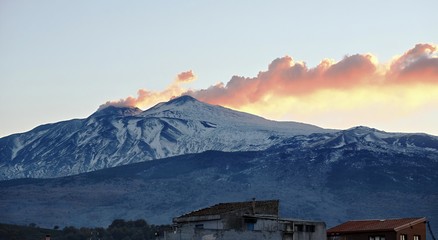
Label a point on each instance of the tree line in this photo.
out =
(119, 229)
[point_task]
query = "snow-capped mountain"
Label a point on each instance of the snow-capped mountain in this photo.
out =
(117, 136)
(358, 139)
(322, 174)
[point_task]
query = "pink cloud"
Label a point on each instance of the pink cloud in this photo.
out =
(186, 76)
(286, 77)
(419, 64)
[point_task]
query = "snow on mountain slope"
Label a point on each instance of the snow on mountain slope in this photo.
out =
(187, 107)
(117, 136)
(342, 144)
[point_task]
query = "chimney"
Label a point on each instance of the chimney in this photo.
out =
(253, 206)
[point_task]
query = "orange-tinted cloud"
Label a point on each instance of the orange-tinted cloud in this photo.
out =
(285, 77)
(186, 76)
(419, 64)
(352, 91)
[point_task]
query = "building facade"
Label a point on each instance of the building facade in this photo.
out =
(243, 220)
(384, 229)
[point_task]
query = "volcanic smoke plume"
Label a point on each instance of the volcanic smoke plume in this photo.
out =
(355, 90)
(149, 98)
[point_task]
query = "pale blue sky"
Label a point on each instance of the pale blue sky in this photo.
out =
(61, 59)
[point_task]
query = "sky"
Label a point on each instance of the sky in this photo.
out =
(336, 64)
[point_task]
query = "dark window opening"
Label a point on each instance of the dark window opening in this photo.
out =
(310, 228)
(380, 237)
(299, 228)
(250, 226)
(199, 226)
(250, 220)
(335, 237)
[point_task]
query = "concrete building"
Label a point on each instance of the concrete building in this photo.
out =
(243, 220)
(383, 229)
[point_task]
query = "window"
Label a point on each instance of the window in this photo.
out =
(250, 226)
(199, 226)
(310, 228)
(299, 228)
(403, 237)
(417, 237)
(379, 237)
(250, 223)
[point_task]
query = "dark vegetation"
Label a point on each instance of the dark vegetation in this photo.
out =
(119, 229)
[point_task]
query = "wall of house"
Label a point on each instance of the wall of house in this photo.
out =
(207, 224)
(217, 224)
(267, 225)
(417, 229)
(208, 234)
(232, 221)
(318, 233)
(265, 229)
(233, 235)
(389, 235)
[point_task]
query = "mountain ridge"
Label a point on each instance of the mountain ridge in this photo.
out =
(115, 136)
(117, 110)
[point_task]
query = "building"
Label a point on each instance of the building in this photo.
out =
(243, 220)
(385, 229)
